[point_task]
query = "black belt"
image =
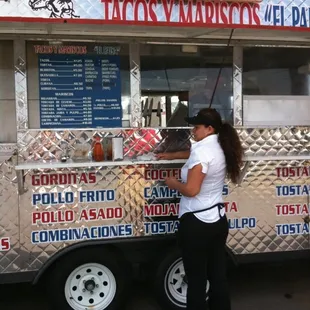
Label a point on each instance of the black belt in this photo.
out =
(219, 206)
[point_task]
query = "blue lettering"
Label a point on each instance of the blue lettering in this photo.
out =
(292, 229)
(147, 228)
(85, 234)
(303, 18)
(225, 190)
(128, 229)
(93, 234)
(76, 234)
(34, 237)
(161, 192)
(295, 16)
(35, 199)
(97, 196)
(276, 17)
(292, 190)
(163, 227)
(242, 223)
(282, 15)
(53, 198)
(62, 235)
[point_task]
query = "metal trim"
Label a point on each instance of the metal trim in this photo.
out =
(20, 84)
(135, 85)
(147, 40)
(237, 85)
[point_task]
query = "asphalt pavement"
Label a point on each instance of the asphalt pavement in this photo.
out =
(253, 287)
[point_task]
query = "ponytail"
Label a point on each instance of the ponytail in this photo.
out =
(231, 145)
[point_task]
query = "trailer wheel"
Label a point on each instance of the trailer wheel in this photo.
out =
(170, 284)
(87, 280)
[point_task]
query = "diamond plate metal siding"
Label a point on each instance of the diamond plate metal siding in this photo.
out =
(237, 84)
(10, 261)
(135, 85)
(21, 84)
(256, 197)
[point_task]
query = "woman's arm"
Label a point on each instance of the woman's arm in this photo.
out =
(192, 187)
(174, 155)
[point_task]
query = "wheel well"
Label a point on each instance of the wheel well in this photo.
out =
(74, 250)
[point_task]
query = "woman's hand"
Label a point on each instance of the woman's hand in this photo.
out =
(165, 156)
(172, 182)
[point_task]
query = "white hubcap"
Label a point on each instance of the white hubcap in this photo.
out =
(90, 286)
(175, 286)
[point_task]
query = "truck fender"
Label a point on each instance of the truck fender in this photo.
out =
(108, 244)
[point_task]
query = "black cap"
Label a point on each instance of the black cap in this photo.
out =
(200, 119)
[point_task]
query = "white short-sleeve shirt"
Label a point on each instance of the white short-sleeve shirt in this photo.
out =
(209, 153)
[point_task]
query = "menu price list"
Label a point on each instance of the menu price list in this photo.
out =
(79, 91)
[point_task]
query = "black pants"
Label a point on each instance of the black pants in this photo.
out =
(203, 252)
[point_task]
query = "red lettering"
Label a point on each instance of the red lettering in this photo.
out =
(217, 15)
(189, 17)
(285, 172)
(152, 13)
(296, 209)
(305, 209)
(168, 5)
(292, 172)
(245, 6)
(161, 209)
(305, 171)
(35, 180)
(116, 14)
(231, 207)
(63, 179)
(37, 49)
(84, 215)
(256, 8)
(83, 178)
(35, 217)
(136, 11)
(106, 8)
(209, 7)
(92, 177)
(101, 215)
(278, 171)
(231, 12)
(49, 217)
(161, 174)
(5, 244)
(223, 12)
(53, 179)
(125, 3)
(199, 16)
(45, 179)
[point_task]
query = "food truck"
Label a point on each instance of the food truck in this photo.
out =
(91, 90)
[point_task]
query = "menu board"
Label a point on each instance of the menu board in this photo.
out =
(79, 91)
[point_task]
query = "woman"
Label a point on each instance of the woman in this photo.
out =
(203, 228)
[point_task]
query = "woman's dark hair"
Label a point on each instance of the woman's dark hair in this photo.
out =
(229, 141)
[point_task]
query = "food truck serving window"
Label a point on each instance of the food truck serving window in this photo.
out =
(78, 85)
(276, 88)
(276, 71)
(181, 79)
(7, 95)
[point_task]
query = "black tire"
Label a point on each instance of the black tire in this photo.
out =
(61, 271)
(166, 295)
